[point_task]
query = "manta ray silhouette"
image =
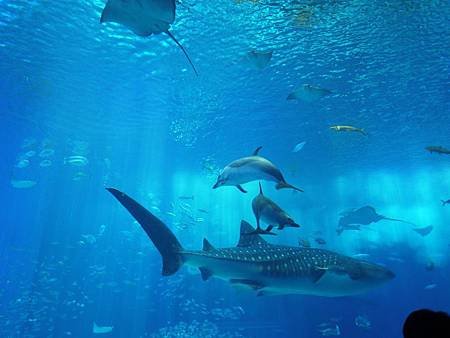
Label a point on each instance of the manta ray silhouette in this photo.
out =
(364, 216)
(144, 18)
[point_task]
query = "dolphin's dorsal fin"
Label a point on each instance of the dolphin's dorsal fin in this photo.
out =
(249, 240)
(207, 246)
(260, 188)
(255, 153)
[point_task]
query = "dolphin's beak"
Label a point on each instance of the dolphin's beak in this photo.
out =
(216, 185)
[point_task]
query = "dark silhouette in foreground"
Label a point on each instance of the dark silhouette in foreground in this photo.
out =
(427, 324)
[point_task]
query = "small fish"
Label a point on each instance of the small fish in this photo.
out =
(47, 152)
(320, 241)
(445, 202)
(203, 211)
(259, 60)
(23, 184)
(299, 147)
(185, 197)
(45, 163)
(348, 129)
(23, 163)
(363, 322)
(76, 160)
(30, 153)
(304, 243)
(361, 255)
(79, 176)
(438, 150)
(430, 286)
(329, 329)
(430, 266)
(423, 231)
(308, 93)
(101, 329)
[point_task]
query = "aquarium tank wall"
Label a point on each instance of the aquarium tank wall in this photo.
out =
(235, 168)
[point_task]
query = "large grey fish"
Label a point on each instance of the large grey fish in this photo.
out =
(258, 265)
(269, 212)
(251, 168)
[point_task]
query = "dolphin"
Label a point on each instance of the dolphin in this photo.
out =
(444, 202)
(438, 150)
(268, 211)
(260, 266)
(251, 168)
(348, 129)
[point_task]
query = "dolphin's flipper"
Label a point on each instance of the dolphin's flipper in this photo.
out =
(285, 185)
(241, 189)
(255, 153)
(259, 231)
(281, 227)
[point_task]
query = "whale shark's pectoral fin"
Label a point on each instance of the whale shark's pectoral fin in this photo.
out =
(252, 284)
(318, 273)
(255, 153)
(206, 274)
(241, 189)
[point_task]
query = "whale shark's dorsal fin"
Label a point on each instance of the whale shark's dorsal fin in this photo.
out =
(247, 239)
(207, 246)
(255, 153)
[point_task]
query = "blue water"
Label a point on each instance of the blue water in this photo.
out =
(114, 109)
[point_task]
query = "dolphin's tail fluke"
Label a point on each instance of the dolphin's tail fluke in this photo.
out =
(164, 240)
(285, 185)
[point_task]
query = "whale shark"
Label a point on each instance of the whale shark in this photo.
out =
(257, 265)
(251, 168)
(268, 211)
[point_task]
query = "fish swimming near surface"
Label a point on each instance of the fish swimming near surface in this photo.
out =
(269, 212)
(438, 150)
(444, 202)
(348, 129)
(259, 60)
(260, 266)
(362, 216)
(298, 147)
(308, 93)
(101, 329)
(251, 168)
(144, 18)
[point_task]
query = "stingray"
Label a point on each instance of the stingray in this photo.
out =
(259, 59)
(364, 216)
(423, 231)
(144, 17)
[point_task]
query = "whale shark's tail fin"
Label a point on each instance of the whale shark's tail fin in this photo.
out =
(285, 185)
(164, 240)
